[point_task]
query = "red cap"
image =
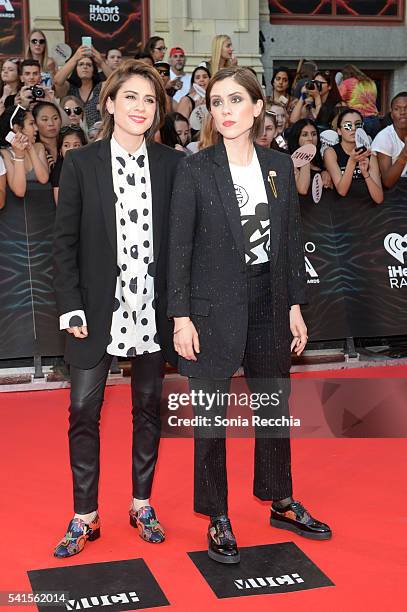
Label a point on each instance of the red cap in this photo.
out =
(176, 50)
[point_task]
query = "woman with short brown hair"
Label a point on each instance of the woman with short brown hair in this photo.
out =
(236, 282)
(110, 254)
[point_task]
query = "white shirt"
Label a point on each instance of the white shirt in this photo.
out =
(254, 212)
(388, 142)
(133, 330)
(186, 85)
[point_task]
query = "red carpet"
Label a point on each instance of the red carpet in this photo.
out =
(357, 485)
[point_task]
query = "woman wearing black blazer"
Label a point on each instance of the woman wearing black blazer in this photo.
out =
(236, 282)
(110, 254)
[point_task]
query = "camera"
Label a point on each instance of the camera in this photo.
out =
(37, 92)
(311, 85)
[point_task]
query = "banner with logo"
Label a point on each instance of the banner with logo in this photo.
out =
(12, 27)
(356, 264)
(28, 317)
(110, 23)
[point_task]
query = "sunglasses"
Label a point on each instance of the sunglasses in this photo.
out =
(164, 72)
(348, 125)
(160, 48)
(73, 111)
(38, 41)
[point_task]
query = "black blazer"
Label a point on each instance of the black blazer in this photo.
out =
(207, 277)
(85, 250)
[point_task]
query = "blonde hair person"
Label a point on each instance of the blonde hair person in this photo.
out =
(37, 48)
(221, 53)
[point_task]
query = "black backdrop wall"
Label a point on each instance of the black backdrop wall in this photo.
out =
(354, 256)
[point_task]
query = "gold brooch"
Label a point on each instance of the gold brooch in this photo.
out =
(271, 177)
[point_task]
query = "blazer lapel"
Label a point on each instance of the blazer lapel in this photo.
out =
(107, 195)
(226, 189)
(266, 165)
(158, 194)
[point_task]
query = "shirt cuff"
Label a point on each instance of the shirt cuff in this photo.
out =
(75, 318)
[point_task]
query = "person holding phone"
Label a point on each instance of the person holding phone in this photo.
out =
(235, 284)
(80, 77)
(353, 171)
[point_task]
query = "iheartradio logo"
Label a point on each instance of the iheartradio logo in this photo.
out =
(396, 245)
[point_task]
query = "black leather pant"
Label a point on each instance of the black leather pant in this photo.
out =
(272, 452)
(87, 392)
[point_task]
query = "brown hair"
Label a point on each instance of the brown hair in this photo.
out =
(125, 71)
(208, 135)
(246, 79)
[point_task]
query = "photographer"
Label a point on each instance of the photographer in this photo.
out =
(319, 100)
(31, 91)
(24, 158)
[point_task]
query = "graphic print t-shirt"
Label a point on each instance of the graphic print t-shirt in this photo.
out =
(254, 211)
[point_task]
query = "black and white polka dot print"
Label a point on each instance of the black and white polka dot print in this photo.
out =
(133, 330)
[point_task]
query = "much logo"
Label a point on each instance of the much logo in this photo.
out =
(396, 245)
(98, 12)
(84, 603)
(268, 581)
(310, 247)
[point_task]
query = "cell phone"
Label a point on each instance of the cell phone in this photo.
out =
(87, 41)
(10, 137)
(361, 149)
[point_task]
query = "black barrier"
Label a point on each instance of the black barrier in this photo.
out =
(355, 254)
(354, 257)
(28, 319)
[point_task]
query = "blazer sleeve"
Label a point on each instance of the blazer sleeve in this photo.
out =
(297, 283)
(66, 240)
(181, 241)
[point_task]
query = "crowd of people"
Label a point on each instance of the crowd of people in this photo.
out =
(51, 110)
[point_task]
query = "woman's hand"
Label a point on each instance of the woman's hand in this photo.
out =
(82, 51)
(364, 167)
(298, 330)
(7, 91)
(98, 57)
(356, 156)
(327, 180)
(78, 331)
(186, 340)
(20, 144)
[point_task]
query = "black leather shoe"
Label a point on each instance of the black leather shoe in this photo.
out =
(295, 517)
(222, 545)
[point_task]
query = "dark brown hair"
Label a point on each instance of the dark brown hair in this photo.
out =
(123, 73)
(245, 78)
